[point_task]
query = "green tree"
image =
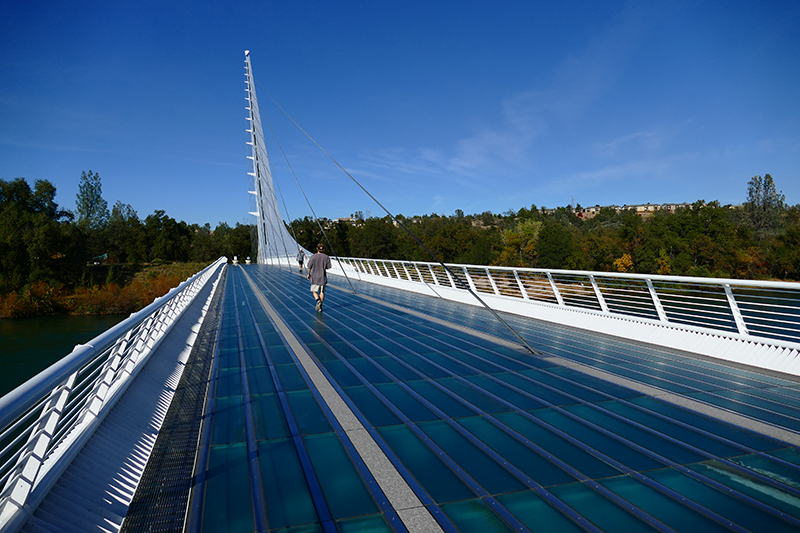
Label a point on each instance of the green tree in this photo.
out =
(92, 208)
(764, 206)
(36, 241)
(125, 235)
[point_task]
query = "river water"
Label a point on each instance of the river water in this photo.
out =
(29, 345)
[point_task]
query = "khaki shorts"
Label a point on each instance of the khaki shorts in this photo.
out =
(317, 288)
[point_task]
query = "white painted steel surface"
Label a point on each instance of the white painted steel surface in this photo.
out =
(45, 421)
(272, 237)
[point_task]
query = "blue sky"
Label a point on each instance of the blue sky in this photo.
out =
(433, 105)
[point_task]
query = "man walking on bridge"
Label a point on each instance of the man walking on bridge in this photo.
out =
(317, 266)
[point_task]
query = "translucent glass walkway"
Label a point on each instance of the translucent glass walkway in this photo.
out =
(589, 435)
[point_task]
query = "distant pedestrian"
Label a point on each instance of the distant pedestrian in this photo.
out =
(301, 256)
(317, 266)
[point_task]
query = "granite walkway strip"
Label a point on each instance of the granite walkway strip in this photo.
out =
(415, 516)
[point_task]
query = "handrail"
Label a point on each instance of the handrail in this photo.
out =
(42, 418)
(740, 308)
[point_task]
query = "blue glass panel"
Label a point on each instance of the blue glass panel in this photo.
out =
(750, 410)
(536, 513)
(505, 363)
(344, 490)
(342, 375)
(474, 516)
(468, 357)
(229, 359)
(227, 505)
(482, 468)
(230, 341)
(369, 371)
(651, 376)
(672, 513)
(309, 528)
(396, 368)
(753, 486)
(227, 424)
(423, 366)
(602, 512)
(270, 338)
(280, 355)
(410, 406)
(539, 469)
(229, 382)
(725, 430)
(321, 352)
(683, 434)
(366, 347)
(521, 401)
(268, 417)
(570, 453)
(613, 448)
(474, 396)
(259, 380)
(254, 358)
(567, 387)
(440, 399)
(426, 467)
(735, 510)
(364, 524)
(592, 382)
(290, 377)
(779, 404)
(287, 498)
(649, 440)
(453, 366)
(307, 413)
(371, 407)
(788, 454)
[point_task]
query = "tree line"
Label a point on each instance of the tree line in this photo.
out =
(759, 239)
(42, 242)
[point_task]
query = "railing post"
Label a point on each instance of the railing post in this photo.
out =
(433, 275)
(491, 282)
(22, 482)
(450, 278)
(469, 280)
(737, 314)
(421, 279)
(559, 299)
(408, 276)
(521, 286)
(662, 314)
(394, 267)
(598, 294)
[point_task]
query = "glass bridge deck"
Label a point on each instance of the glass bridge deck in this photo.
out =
(489, 437)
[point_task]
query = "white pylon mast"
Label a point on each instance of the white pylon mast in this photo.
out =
(274, 242)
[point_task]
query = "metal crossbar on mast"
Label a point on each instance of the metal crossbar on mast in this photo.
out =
(274, 241)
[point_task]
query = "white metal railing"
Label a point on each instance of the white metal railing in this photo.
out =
(53, 413)
(763, 309)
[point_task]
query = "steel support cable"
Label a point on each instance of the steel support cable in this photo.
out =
(277, 212)
(271, 205)
(274, 223)
(460, 282)
(316, 219)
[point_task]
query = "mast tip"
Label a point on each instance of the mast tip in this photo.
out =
(247, 52)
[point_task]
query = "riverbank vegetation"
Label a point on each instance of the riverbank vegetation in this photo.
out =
(95, 260)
